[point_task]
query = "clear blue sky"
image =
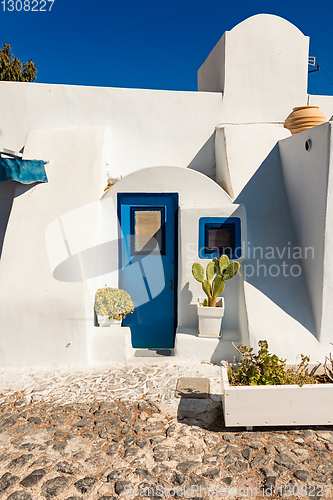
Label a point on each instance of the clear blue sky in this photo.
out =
(153, 44)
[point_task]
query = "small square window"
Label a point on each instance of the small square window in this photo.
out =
(147, 230)
(218, 236)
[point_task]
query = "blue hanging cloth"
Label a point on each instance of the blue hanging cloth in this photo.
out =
(23, 171)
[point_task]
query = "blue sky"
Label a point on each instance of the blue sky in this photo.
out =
(148, 43)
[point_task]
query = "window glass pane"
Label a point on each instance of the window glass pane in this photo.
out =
(147, 230)
(220, 238)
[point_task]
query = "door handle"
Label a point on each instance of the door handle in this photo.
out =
(170, 284)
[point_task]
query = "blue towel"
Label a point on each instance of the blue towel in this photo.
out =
(23, 171)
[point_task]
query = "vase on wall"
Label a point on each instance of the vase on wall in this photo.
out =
(304, 117)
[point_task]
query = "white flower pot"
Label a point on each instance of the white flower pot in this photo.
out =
(210, 318)
(105, 321)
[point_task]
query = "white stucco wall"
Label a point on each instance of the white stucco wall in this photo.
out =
(234, 326)
(198, 197)
(277, 303)
(73, 249)
(148, 127)
(308, 179)
(42, 308)
(85, 134)
(61, 238)
(192, 187)
(288, 206)
(276, 296)
(261, 67)
(240, 150)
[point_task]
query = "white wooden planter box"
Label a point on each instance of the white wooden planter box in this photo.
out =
(248, 406)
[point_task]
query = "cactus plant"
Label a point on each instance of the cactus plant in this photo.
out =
(113, 303)
(217, 271)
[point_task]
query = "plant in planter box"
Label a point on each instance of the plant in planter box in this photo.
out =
(260, 390)
(112, 305)
(217, 272)
(265, 368)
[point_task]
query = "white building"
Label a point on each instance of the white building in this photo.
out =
(204, 157)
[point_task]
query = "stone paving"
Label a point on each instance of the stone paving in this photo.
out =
(119, 432)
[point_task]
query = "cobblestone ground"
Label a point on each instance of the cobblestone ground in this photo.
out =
(82, 441)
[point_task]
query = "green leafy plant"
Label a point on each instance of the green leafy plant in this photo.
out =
(217, 272)
(265, 368)
(12, 69)
(113, 303)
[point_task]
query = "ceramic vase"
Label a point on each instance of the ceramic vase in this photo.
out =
(304, 117)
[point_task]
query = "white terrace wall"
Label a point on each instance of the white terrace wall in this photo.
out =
(148, 127)
(307, 170)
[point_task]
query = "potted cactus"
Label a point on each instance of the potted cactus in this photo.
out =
(211, 310)
(112, 305)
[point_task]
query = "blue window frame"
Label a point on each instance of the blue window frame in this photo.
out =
(218, 236)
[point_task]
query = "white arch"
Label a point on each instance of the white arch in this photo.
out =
(194, 188)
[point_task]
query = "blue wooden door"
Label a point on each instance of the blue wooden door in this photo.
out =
(148, 265)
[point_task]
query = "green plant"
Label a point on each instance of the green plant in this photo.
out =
(12, 69)
(217, 272)
(113, 303)
(329, 371)
(265, 368)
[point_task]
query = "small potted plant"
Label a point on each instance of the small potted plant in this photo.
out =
(211, 310)
(112, 305)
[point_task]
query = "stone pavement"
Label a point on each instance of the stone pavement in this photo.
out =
(118, 431)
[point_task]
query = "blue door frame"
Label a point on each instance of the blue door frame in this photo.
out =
(149, 272)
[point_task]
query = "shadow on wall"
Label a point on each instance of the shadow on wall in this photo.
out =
(185, 297)
(274, 260)
(8, 191)
(204, 160)
(90, 263)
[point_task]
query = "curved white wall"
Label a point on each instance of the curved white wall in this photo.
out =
(193, 187)
(261, 66)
